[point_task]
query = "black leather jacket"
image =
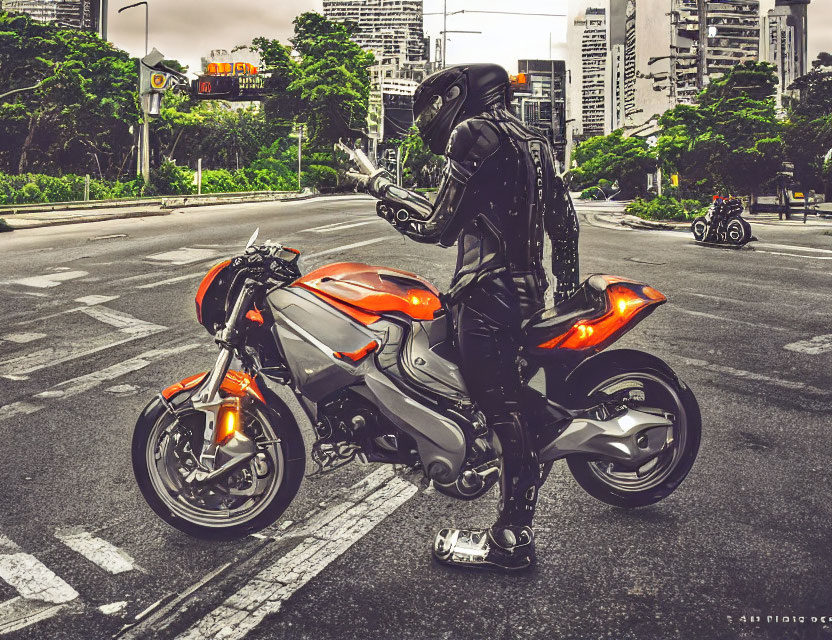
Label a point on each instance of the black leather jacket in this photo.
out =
(498, 194)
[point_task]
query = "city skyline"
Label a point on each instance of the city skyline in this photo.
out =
(205, 32)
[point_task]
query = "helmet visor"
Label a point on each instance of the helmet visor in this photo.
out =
(425, 118)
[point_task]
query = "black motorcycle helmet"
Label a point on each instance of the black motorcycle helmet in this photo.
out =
(447, 97)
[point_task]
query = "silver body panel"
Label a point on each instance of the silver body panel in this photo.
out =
(614, 439)
(309, 332)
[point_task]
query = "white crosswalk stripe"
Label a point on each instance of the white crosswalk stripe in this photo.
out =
(50, 280)
(42, 592)
(185, 255)
(75, 386)
(127, 327)
(108, 557)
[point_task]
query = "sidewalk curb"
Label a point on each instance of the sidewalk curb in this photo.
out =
(169, 205)
(37, 224)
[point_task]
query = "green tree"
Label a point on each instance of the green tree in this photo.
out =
(283, 103)
(334, 78)
(808, 132)
(420, 166)
(731, 140)
(77, 116)
(615, 158)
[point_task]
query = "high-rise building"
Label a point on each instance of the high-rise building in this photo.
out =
(75, 14)
(647, 59)
(392, 30)
(388, 28)
(656, 59)
(711, 37)
(591, 32)
(784, 43)
(543, 105)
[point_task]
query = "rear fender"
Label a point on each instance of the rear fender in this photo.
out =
(608, 362)
(236, 384)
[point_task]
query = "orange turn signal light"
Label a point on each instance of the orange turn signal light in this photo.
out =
(228, 422)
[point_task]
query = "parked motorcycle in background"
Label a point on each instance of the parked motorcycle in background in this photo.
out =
(723, 224)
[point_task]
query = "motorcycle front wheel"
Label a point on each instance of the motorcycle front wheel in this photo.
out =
(699, 229)
(165, 451)
(656, 392)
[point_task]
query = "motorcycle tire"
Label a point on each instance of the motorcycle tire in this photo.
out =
(199, 512)
(738, 231)
(699, 228)
(661, 476)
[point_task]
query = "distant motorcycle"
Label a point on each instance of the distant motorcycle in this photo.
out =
(723, 224)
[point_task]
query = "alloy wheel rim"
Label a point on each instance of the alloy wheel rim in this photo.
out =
(183, 501)
(656, 470)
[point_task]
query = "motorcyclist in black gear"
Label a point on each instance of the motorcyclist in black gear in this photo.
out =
(498, 194)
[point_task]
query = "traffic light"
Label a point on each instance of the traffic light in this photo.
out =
(520, 82)
(154, 79)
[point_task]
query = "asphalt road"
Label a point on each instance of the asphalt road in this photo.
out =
(98, 317)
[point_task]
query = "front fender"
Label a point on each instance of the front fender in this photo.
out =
(236, 384)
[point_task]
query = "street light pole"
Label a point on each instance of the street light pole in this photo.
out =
(300, 142)
(444, 33)
(146, 21)
(143, 165)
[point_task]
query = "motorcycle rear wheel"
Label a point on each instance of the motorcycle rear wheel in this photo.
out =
(738, 231)
(162, 446)
(660, 476)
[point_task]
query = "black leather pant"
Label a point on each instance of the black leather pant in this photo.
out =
(488, 324)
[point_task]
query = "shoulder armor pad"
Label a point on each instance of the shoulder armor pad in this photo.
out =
(473, 140)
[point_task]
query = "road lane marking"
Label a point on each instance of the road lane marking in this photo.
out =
(341, 226)
(92, 300)
(128, 327)
(794, 247)
(22, 338)
(113, 608)
(50, 280)
(356, 493)
(122, 389)
(184, 255)
(712, 316)
(792, 385)
(105, 555)
(75, 386)
(814, 346)
(162, 283)
(18, 409)
(266, 592)
(355, 245)
(793, 255)
(84, 383)
(323, 226)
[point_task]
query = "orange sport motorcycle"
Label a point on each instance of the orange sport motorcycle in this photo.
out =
(368, 353)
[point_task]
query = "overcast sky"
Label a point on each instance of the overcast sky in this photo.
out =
(189, 29)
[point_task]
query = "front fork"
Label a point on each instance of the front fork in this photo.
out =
(207, 399)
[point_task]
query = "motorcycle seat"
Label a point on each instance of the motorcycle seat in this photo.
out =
(588, 301)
